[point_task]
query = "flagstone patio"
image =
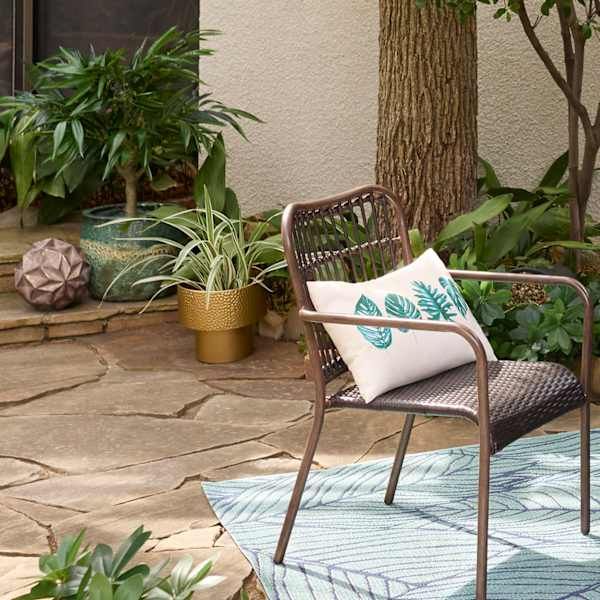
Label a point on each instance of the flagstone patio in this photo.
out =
(107, 432)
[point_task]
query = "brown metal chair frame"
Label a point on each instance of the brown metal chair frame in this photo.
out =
(312, 318)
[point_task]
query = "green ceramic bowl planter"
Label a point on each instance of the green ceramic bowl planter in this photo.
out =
(129, 118)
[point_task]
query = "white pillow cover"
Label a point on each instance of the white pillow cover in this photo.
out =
(381, 358)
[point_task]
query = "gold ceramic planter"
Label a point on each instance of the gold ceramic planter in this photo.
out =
(223, 321)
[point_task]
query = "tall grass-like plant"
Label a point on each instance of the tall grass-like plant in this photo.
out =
(212, 252)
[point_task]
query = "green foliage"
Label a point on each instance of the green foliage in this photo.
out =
(512, 226)
(550, 331)
(74, 572)
(380, 337)
(211, 179)
(212, 251)
(587, 21)
(135, 117)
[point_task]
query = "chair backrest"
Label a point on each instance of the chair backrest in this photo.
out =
(354, 236)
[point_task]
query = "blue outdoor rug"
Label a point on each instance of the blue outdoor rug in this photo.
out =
(348, 544)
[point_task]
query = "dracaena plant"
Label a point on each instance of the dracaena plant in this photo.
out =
(210, 251)
(75, 572)
(134, 117)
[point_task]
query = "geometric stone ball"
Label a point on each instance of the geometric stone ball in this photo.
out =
(52, 275)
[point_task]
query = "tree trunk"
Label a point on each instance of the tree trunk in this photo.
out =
(427, 129)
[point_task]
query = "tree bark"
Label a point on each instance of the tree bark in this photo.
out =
(427, 127)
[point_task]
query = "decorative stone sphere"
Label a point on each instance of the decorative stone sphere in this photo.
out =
(53, 274)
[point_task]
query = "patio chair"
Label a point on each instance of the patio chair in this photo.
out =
(360, 235)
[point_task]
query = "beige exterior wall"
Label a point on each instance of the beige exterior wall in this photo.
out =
(309, 69)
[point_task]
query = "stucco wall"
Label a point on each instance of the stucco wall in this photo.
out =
(309, 69)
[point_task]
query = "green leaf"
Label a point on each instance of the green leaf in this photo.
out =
(211, 177)
(54, 187)
(100, 588)
(58, 136)
(454, 292)
(22, 163)
(489, 209)
(232, 206)
(491, 179)
(556, 172)
(506, 236)
(433, 302)
(401, 307)
(571, 244)
(131, 589)
(417, 243)
(379, 337)
(78, 134)
(163, 182)
(128, 549)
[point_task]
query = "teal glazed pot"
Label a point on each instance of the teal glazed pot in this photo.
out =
(108, 252)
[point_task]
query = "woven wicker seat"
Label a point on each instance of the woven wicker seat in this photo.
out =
(361, 235)
(523, 396)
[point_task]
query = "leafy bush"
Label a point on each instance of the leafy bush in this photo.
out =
(512, 226)
(132, 117)
(79, 573)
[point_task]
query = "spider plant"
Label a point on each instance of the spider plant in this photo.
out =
(210, 252)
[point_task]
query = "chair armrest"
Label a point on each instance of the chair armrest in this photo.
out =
(582, 292)
(464, 331)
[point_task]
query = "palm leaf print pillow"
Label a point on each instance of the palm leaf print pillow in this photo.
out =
(383, 358)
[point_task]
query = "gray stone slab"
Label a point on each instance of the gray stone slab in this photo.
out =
(171, 346)
(192, 539)
(16, 575)
(80, 444)
(94, 491)
(258, 412)
(163, 393)
(20, 535)
(33, 370)
(163, 515)
(16, 472)
(256, 468)
(347, 435)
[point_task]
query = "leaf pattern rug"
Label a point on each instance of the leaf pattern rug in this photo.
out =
(348, 544)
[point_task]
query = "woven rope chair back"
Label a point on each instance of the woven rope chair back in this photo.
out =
(353, 237)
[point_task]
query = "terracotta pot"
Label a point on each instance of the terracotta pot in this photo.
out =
(223, 321)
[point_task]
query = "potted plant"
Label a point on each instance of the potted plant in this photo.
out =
(219, 268)
(135, 117)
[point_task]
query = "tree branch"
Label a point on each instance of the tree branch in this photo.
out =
(579, 108)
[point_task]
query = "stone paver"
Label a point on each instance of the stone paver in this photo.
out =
(110, 442)
(162, 514)
(94, 491)
(253, 412)
(175, 350)
(34, 370)
(152, 393)
(347, 435)
(15, 472)
(119, 429)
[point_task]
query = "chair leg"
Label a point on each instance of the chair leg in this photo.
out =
(585, 468)
(399, 458)
(290, 517)
(482, 522)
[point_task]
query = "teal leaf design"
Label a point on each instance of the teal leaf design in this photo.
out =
(380, 337)
(401, 307)
(455, 294)
(433, 302)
